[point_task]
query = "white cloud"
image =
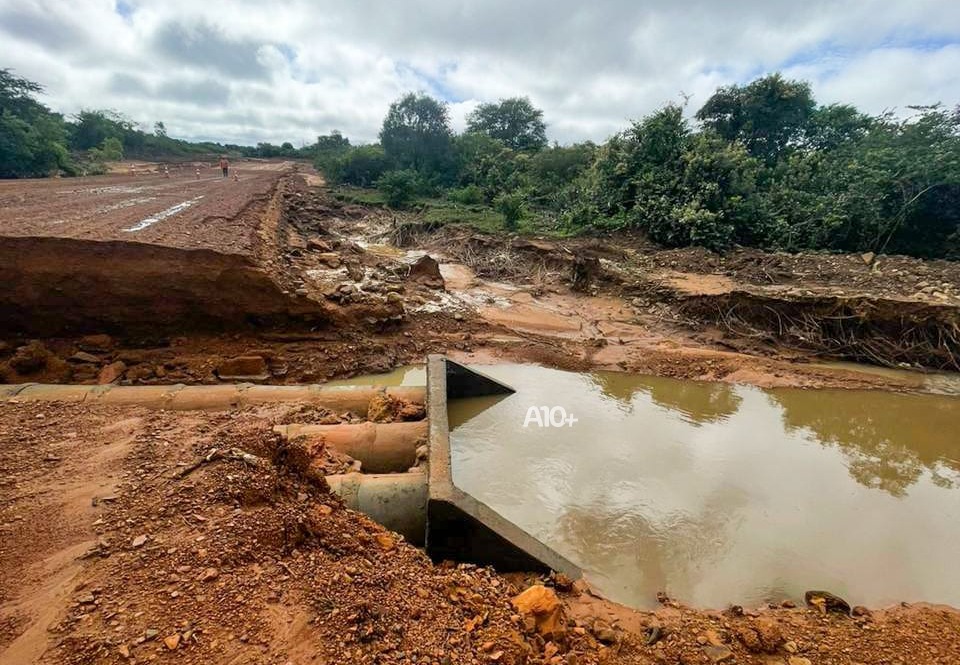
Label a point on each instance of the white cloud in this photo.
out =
(289, 70)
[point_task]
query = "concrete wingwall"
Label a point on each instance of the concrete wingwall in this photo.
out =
(460, 527)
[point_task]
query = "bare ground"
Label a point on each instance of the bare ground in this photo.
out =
(110, 554)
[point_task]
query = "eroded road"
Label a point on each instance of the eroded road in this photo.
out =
(187, 208)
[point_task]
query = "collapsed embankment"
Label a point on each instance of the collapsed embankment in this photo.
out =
(869, 329)
(62, 286)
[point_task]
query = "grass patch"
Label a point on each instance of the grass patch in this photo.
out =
(441, 211)
(359, 195)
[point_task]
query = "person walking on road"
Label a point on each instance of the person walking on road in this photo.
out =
(224, 165)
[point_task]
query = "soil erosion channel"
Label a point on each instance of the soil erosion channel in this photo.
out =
(720, 493)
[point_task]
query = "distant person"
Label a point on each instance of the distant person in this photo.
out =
(224, 166)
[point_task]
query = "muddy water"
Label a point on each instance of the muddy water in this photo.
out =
(406, 375)
(723, 494)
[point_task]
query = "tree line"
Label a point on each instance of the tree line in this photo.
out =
(761, 164)
(37, 142)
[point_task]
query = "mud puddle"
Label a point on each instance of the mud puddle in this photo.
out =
(719, 493)
(406, 375)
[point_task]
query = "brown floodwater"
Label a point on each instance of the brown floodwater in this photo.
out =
(720, 494)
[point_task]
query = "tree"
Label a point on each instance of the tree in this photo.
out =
(416, 135)
(160, 129)
(328, 148)
(487, 163)
(32, 138)
(835, 125)
(514, 121)
(92, 127)
(768, 115)
(361, 166)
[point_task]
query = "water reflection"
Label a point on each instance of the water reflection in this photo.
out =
(699, 401)
(718, 493)
(889, 440)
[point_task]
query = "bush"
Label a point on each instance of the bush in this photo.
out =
(360, 166)
(511, 206)
(469, 195)
(399, 187)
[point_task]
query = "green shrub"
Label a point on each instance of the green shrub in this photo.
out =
(361, 166)
(398, 187)
(511, 206)
(469, 195)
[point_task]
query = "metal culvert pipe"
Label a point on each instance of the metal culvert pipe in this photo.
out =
(217, 397)
(398, 501)
(380, 447)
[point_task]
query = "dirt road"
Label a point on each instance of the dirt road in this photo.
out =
(184, 210)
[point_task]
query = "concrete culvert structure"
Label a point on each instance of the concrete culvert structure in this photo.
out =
(398, 501)
(379, 447)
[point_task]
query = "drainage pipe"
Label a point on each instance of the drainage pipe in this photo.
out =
(216, 397)
(398, 501)
(380, 447)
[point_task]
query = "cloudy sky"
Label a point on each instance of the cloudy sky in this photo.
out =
(283, 70)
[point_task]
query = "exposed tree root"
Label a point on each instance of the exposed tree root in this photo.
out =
(884, 332)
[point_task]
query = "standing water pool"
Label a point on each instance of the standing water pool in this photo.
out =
(720, 494)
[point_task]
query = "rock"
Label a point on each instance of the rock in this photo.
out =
(139, 541)
(540, 609)
(394, 298)
(603, 632)
(244, 368)
(150, 634)
(718, 654)
(750, 639)
(111, 372)
(790, 647)
(83, 357)
(355, 271)
(771, 637)
(172, 641)
(799, 660)
(96, 343)
(30, 358)
(562, 582)
(209, 575)
(826, 602)
(140, 373)
(868, 257)
(861, 611)
(382, 408)
(426, 271)
(329, 259)
(124, 651)
(318, 245)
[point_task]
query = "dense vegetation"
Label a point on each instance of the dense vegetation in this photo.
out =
(760, 165)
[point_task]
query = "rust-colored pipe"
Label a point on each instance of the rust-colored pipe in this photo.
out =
(217, 397)
(380, 447)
